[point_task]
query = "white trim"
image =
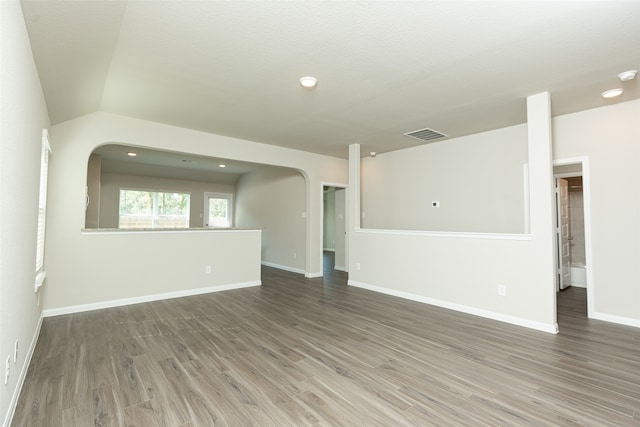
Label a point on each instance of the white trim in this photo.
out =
(216, 195)
(40, 278)
(283, 267)
(45, 137)
(146, 298)
(292, 269)
(519, 321)
(346, 211)
(23, 373)
(340, 268)
(566, 174)
(308, 222)
(526, 198)
(333, 184)
(627, 321)
(313, 275)
(42, 201)
(586, 201)
(447, 234)
(106, 231)
(154, 205)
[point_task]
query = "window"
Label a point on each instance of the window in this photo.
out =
(42, 203)
(217, 210)
(153, 209)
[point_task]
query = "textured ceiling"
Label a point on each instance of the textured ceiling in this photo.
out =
(384, 68)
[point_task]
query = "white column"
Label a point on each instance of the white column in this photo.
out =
(540, 163)
(542, 196)
(354, 188)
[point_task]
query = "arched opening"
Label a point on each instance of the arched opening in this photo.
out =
(194, 191)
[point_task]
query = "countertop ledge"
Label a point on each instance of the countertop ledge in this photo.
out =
(164, 230)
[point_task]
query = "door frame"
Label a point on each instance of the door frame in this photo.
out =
(586, 196)
(345, 187)
(205, 207)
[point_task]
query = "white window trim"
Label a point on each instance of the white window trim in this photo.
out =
(205, 217)
(188, 214)
(45, 153)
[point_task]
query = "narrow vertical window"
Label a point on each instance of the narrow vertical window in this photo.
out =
(42, 203)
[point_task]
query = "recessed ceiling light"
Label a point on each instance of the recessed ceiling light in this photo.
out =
(308, 81)
(131, 154)
(627, 75)
(612, 93)
(222, 166)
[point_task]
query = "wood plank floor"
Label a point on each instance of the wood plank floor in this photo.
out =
(314, 352)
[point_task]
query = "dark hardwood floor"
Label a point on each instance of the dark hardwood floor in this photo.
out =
(315, 352)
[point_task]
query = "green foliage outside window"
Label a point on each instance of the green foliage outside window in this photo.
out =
(152, 209)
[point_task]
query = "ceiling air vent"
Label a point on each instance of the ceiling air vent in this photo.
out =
(426, 135)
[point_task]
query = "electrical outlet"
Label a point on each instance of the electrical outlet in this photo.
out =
(358, 266)
(295, 255)
(7, 367)
(502, 290)
(15, 351)
(207, 269)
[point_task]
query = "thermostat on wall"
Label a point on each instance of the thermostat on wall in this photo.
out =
(435, 204)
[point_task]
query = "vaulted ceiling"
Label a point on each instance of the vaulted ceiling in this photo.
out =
(383, 68)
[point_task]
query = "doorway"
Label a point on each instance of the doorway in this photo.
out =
(572, 227)
(218, 210)
(334, 228)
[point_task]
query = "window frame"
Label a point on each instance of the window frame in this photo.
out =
(148, 190)
(216, 195)
(45, 154)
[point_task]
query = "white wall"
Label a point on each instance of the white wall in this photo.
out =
(477, 179)
(69, 250)
(610, 138)
(275, 198)
(112, 183)
(23, 115)
(119, 268)
(462, 271)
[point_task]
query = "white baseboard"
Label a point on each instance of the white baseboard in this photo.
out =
(146, 298)
(23, 373)
(283, 267)
(627, 321)
(544, 327)
(339, 268)
(313, 275)
(292, 269)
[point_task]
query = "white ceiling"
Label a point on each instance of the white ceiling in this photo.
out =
(168, 164)
(384, 68)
